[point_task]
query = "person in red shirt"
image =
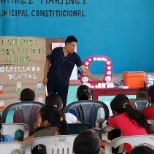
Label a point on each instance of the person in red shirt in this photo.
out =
(149, 111)
(129, 120)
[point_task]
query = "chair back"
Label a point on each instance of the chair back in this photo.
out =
(78, 127)
(12, 147)
(24, 112)
(62, 144)
(86, 110)
(11, 128)
(141, 103)
(132, 140)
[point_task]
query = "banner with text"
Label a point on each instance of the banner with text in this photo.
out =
(22, 62)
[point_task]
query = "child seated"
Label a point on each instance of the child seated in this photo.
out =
(129, 120)
(87, 142)
(51, 123)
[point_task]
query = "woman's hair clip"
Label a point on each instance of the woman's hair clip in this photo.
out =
(55, 106)
(61, 119)
(124, 105)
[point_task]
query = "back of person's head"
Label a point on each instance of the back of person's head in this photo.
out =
(87, 142)
(151, 94)
(70, 39)
(27, 94)
(83, 92)
(120, 104)
(2, 137)
(54, 117)
(54, 100)
(142, 93)
(143, 149)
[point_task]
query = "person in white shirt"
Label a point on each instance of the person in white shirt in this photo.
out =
(56, 101)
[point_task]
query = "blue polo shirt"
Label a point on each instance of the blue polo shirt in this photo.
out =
(62, 67)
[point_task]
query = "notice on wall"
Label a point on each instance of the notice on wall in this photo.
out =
(22, 62)
(47, 8)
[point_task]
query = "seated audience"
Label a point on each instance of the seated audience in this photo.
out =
(56, 101)
(27, 94)
(51, 123)
(129, 120)
(83, 93)
(4, 138)
(87, 142)
(143, 149)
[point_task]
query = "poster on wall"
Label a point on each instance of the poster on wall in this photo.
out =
(22, 62)
(74, 72)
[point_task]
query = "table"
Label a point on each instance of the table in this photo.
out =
(112, 92)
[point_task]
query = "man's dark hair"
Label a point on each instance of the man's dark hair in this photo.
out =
(70, 39)
(27, 94)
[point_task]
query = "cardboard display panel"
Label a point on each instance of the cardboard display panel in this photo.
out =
(22, 62)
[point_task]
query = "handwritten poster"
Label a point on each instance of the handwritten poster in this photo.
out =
(22, 62)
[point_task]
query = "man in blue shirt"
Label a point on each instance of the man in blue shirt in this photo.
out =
(59, 66)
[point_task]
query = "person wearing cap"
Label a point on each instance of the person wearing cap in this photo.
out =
(87, 142)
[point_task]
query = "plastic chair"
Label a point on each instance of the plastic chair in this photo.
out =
(141, 103)
(132, 140)
(62, 144)
(12, 128)
(25, 112)
(86, 110)
(78, 127)
(12, 147)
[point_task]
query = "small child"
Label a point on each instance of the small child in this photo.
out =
(129, 120)
(83, 93)
(27, 94)
(56, 101)
(51, 123)
(142, 93)
(87, 142)
(149, 111)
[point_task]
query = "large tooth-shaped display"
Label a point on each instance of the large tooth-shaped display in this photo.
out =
(107, 71)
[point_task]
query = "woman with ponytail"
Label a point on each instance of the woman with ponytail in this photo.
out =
(51, 123)
(129, 120)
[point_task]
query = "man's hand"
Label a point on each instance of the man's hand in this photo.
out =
(97, 80)
(45, 80)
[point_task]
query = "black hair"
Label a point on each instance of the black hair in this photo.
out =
(120, 104)
(2, 137)
(27, 94)
(151, 93)
(53, 100)
(143, 149)
(142, 93)
(87, 142)
(54, 117)
(83, 92)
(70, 39)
